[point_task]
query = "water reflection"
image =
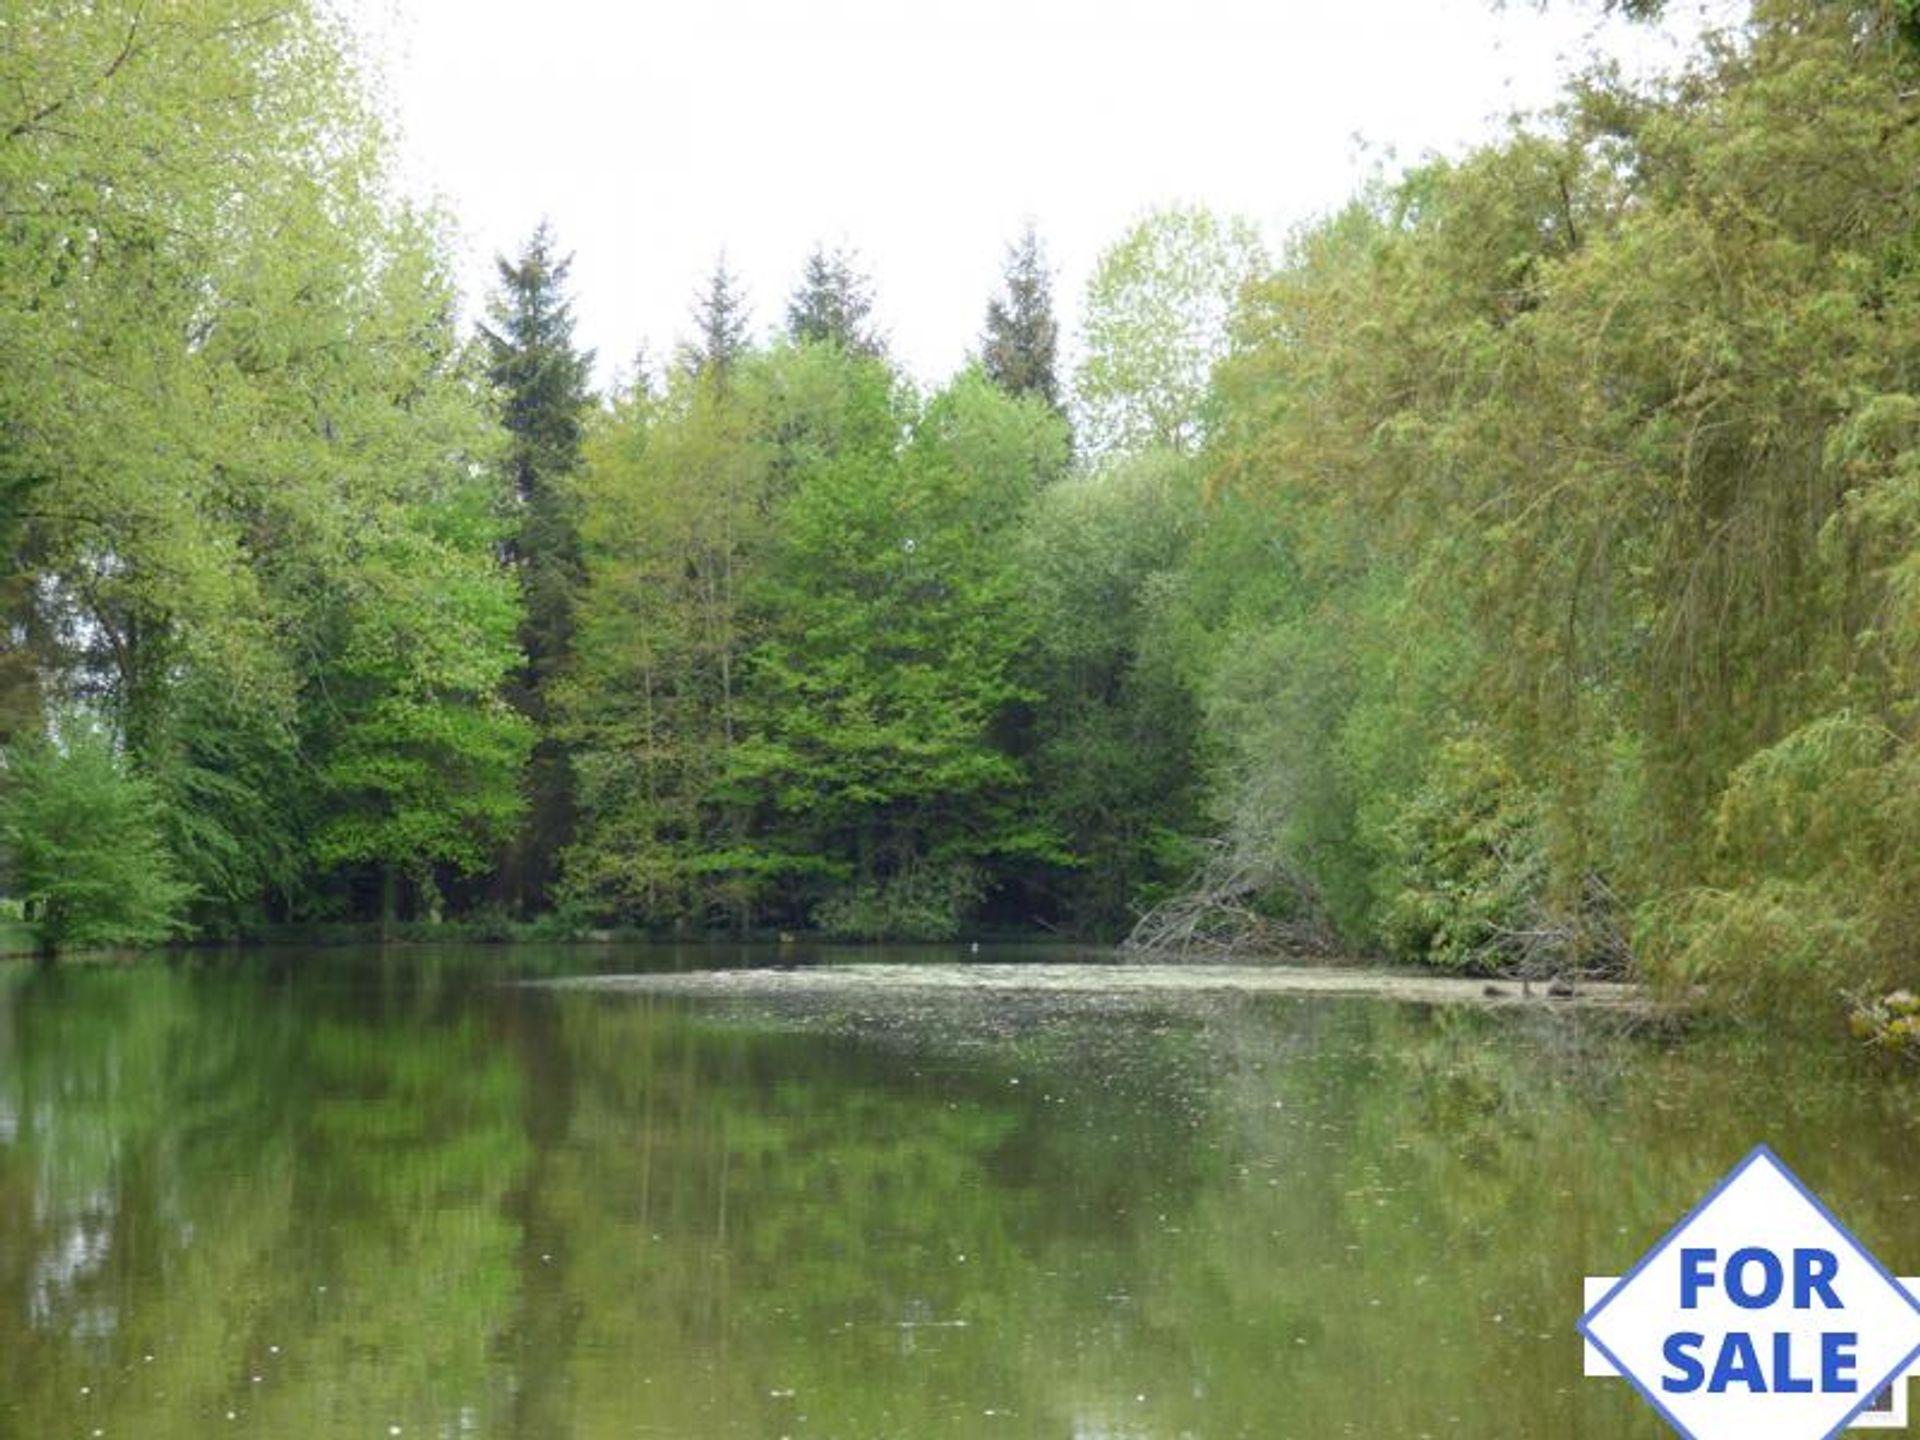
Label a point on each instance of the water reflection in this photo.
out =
(309, 1201)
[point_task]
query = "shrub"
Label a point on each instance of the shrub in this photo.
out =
(1466, 867)
(83, 838)
(928, 901)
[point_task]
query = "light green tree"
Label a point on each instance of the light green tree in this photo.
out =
(233, 389)
(676, 518)
(1156, 320)
(82, 841)
(891, 625)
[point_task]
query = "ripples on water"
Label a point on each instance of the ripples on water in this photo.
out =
(329, 1196)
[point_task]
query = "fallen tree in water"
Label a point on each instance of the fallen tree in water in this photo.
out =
(1225, 912)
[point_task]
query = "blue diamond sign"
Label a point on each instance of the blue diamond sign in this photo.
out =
(1758, 1316)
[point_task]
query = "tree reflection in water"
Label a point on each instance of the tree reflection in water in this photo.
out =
(331, 1200)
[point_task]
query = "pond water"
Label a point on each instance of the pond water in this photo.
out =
(339, 1195)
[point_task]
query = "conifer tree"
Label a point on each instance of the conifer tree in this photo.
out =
(720, 313)
(541, 379)
(833, 304)
(1022, 337)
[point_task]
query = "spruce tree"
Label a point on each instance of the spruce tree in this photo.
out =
(1021, 338)
(720, 313)
(833, 304)
(541, 379)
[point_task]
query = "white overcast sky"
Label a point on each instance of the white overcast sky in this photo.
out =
(924, 133)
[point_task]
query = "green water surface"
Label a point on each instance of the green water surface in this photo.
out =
(372, 1196)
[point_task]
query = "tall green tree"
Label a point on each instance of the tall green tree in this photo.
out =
(541, 379)
(1020, 343)
(1114, 760)
(796, 685)
(1156, 318)
(833, 304)
(891, 621)
(419, 752)
(679, 511)
(230, 378)
(721, 318)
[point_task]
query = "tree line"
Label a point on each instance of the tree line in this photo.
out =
(1589, 459)
(1515, 572)
(319, 608)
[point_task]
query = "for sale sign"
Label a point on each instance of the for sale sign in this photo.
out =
(1758, 1316)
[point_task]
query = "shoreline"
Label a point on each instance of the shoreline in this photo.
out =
(1116, 979)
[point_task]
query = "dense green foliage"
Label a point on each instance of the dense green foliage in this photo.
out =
(89, 858)
(246, 483)
(1518, 574)
(799, 645)
(1594, 451)
(1115, 725)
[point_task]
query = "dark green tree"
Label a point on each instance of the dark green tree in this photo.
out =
(720, 313)
(1113, 758)
(834, 304)
(1022, 338)
(541, 378)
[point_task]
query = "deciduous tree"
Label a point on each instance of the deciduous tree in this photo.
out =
(83, 845)
(1156, 319)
